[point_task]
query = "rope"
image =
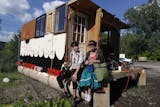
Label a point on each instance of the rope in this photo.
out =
(126, 84)
(52, 53)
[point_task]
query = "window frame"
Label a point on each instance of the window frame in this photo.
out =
(55, 20)
(40, 27)
(81, 15)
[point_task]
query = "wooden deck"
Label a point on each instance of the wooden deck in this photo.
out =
(103, 100)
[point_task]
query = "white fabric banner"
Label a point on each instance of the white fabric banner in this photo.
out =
(47, 46)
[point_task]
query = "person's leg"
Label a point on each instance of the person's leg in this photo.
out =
(89, 94)
(60, 79)
(89, 91)
(74, 88)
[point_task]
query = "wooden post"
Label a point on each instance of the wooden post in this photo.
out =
(94, 31)
(102, 99)
(142, 78)
(98, 24)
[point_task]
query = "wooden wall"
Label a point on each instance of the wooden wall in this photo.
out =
(28, 30)
(50, 22)
(94, 26)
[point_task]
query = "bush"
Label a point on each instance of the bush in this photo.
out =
(9, 55)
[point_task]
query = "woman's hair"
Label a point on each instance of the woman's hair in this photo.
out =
(74, 44)
(92, 43)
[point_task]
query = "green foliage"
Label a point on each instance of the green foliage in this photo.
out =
(8, 105)
(9, 55)
(104, 38)
(11, 76)
(46, 103)
(143, 38)
(20, 103)
(62, 103)
(145, 19)
(58, 103)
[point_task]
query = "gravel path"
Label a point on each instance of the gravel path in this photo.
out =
(146, 96)
(30, 90)
(33, 91)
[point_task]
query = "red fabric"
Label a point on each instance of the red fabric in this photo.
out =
(29, 65)
(18, 63)
(53, 71)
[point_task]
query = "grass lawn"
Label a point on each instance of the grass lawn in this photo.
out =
(17, 83)
(12, 76)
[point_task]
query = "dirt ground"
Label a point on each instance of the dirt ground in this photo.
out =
(33, 91)
(146, 96)
(29, 90)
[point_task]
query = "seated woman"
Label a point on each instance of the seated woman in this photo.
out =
(88, 78)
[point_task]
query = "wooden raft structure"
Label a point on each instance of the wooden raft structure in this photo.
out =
(103, 100)
(99, 99)
(45, 42)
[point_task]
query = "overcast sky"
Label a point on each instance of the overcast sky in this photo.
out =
(14, 13)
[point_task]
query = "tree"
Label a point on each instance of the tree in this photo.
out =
(9, 56)
(144, 21)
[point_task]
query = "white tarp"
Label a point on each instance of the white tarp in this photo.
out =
(60, 42)
(47, 46)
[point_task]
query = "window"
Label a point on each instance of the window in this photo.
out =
(60, 19)
(40, 25)
(79, 30)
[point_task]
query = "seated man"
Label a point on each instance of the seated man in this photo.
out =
(76, 60)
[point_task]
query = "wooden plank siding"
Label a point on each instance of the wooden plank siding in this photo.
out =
(28, 30)
(50, 19)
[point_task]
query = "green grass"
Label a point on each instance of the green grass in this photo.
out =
(6, 105)
(20, 103)
(46, 103)
(12, 77)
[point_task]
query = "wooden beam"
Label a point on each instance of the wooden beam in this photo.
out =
(118, 75)
(102, 100)
(142, 79)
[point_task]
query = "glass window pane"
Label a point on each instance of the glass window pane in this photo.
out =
(83, 21)
(75, 18)
(79, 28)
(75, 27)
(82, 38)
(78, 37)
(74, 36)
(42, 30)
(60, 18)
(83, 29)
(38, 23)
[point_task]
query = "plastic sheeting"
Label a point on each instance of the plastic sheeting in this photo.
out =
(60, 42)
(47, 46)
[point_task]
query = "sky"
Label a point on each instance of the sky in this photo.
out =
(14, 13)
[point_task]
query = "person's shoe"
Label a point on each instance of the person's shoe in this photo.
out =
(88, 98)
(85, 97)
